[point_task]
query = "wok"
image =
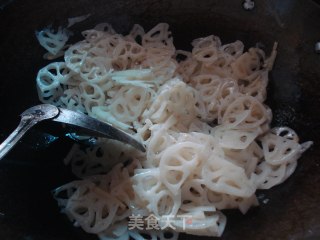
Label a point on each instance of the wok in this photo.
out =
(29, 173)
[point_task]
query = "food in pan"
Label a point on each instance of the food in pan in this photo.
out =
(201, 115)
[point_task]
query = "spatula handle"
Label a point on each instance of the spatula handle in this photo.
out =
(25, 124)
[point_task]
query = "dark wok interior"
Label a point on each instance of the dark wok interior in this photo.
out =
(30, 171)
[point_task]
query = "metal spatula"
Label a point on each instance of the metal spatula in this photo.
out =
(87, 125)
